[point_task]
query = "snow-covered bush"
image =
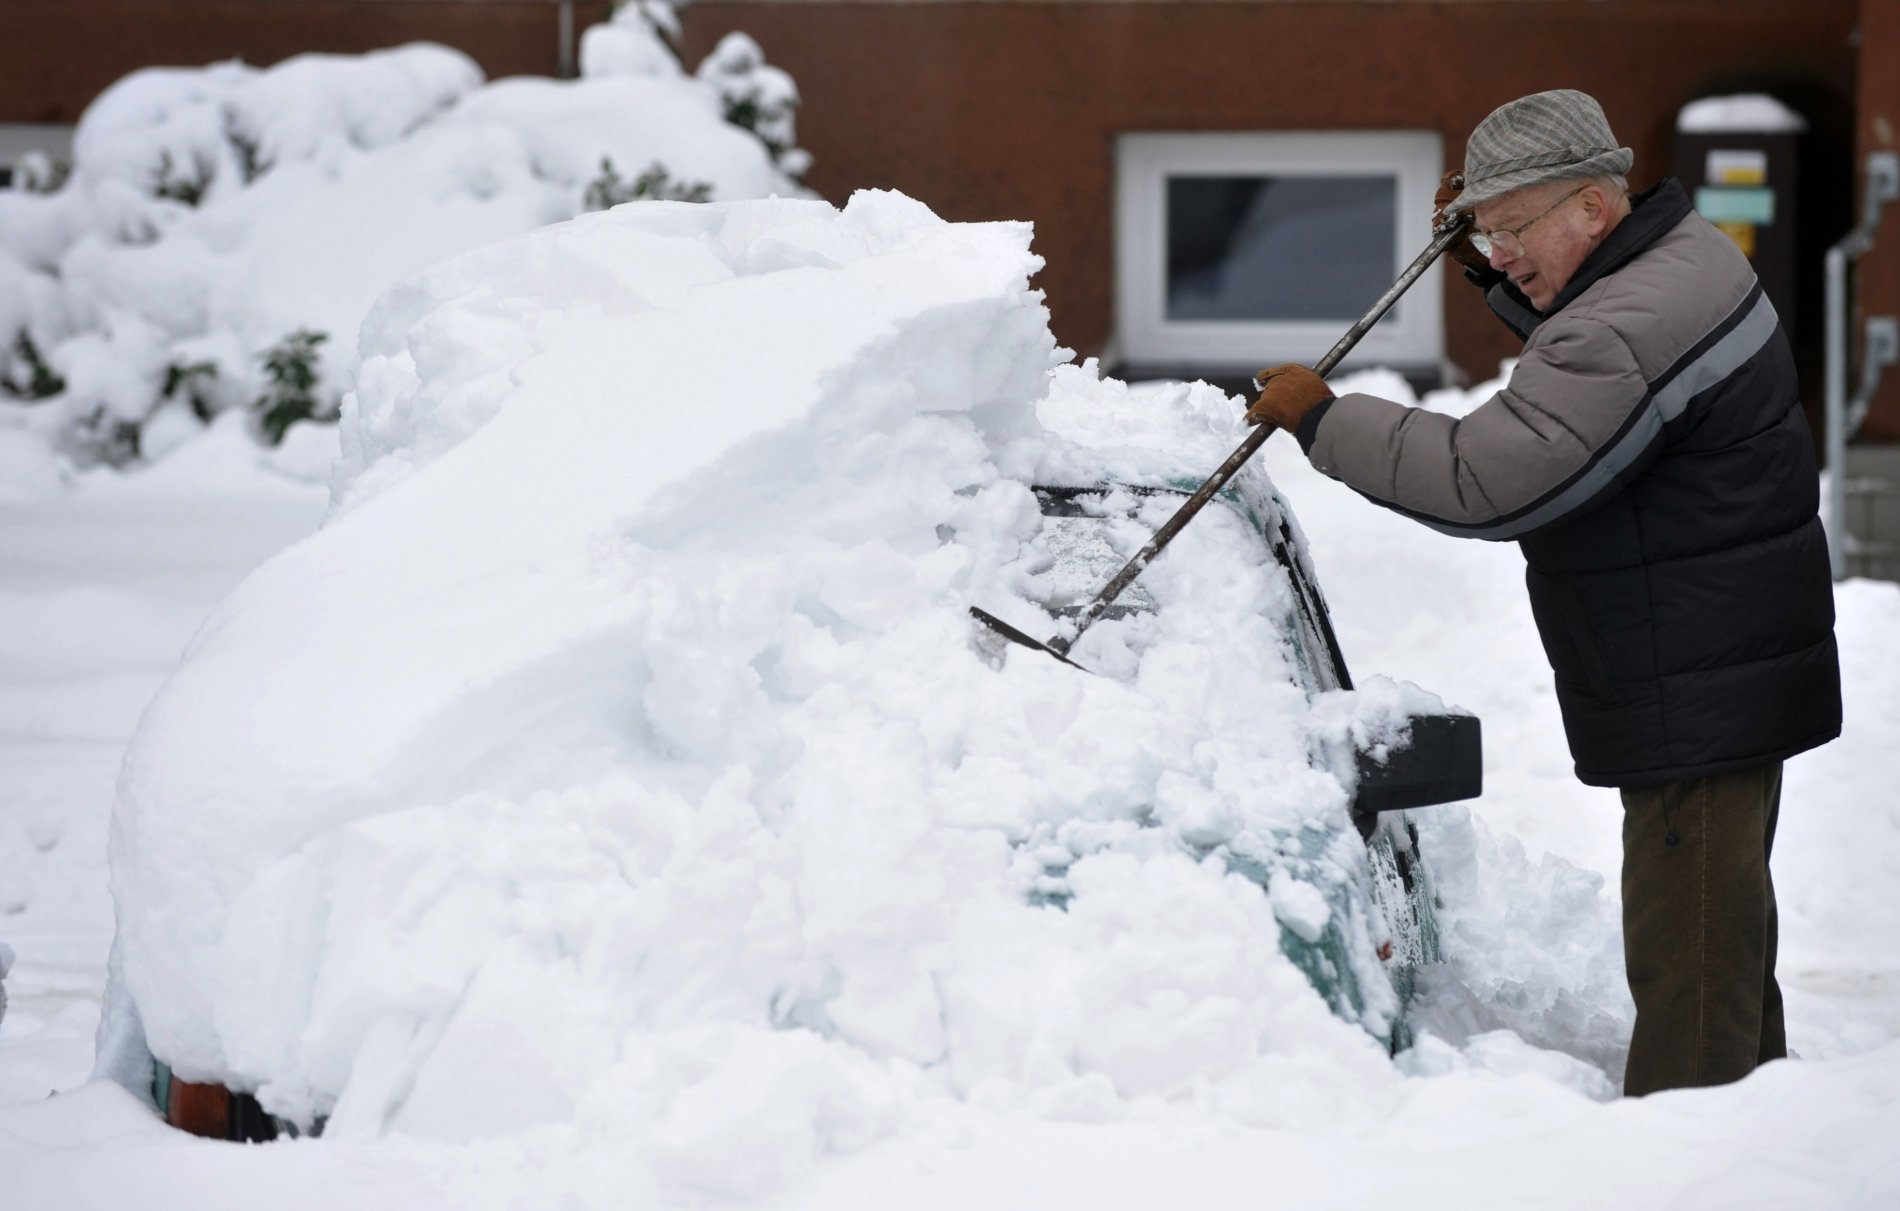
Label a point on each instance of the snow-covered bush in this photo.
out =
(291, 368)
(39, 172)
(25, 374)
(610, 189)
(212, 215)
(638, 39)
(757, 96)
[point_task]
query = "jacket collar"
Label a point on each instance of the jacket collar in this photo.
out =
(1653, 213)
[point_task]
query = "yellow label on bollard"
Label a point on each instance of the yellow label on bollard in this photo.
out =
(1737, 167)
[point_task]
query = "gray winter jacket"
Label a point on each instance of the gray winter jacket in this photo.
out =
(1651, 457)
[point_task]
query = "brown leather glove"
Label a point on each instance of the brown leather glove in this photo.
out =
(1461, 250)
(1287, 393)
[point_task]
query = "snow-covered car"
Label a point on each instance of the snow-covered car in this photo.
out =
(1358, 934)
(623, 740)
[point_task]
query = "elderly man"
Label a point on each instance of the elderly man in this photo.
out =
(1651, 459)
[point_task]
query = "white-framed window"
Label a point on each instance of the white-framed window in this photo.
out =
(1234, 251)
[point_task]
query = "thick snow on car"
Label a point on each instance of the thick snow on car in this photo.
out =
(1361, 939)
(622, 745)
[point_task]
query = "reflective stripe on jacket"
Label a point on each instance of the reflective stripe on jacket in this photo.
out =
(1651, 458)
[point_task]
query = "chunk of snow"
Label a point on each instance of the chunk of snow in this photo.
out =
(1300, 906)
(629, 43)
(1741, 112)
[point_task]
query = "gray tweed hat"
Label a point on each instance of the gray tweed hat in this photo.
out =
(1552, 136)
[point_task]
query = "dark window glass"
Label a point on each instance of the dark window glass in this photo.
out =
(1279, 248)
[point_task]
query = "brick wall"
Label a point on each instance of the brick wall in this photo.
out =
(1009, 110)
(59, 54)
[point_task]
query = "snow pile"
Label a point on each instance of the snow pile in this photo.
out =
(632, 42)
(225, 229)
(620, 754)
(1532, 949)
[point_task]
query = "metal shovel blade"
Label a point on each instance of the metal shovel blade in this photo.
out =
(1015, 635)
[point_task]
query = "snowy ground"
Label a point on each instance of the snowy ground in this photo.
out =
(103, 584)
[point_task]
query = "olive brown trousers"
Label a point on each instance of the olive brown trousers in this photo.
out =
(1699, 929)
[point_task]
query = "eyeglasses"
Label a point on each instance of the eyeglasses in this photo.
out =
(1510, 241)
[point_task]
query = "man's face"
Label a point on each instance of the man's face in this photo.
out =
(1563, 230)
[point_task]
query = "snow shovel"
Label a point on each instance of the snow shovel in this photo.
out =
(1059, 647)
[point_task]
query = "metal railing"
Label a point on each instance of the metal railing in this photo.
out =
(1880, 349)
